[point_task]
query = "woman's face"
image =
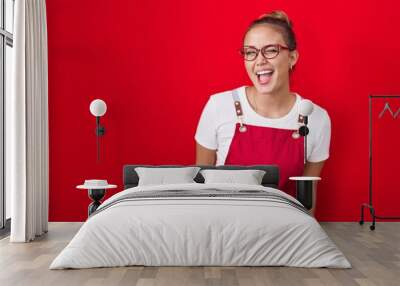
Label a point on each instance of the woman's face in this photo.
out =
(274, 75)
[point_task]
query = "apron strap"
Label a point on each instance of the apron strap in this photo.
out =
(239, 110)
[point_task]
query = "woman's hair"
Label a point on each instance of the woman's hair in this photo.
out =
(281, 21)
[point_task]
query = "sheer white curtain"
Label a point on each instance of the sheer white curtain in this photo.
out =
(27, 124)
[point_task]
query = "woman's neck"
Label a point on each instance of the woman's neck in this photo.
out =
(272, 105)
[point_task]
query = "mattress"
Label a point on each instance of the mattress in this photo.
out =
(201, 225)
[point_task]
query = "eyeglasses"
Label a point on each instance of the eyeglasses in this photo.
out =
(250, 53)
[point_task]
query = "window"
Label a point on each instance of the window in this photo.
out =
(6, 62)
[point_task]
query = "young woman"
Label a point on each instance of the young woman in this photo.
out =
(258, 124)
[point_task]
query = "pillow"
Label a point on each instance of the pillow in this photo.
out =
(162, 176)
(248, 177)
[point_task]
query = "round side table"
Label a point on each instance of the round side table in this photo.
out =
(96, 194)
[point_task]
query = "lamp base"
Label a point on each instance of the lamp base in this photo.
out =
(96, 195)
(304, 193)
(304, 190)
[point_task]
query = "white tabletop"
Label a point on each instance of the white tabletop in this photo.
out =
(87, 187)
(305, 178)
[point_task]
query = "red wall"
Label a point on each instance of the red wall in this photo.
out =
(155, 63)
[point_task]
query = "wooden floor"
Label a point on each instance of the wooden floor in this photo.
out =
(375, 257)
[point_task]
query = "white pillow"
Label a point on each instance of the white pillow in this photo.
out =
(162, 176)
(248, 177)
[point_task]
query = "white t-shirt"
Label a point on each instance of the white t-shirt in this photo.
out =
(217, 124)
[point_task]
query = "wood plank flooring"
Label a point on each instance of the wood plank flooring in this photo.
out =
(375, 257)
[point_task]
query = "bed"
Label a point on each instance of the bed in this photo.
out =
(201, 224)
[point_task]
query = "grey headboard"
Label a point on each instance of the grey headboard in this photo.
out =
(270, 179)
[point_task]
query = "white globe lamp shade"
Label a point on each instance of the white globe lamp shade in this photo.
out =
(306, 107)
(98, 107)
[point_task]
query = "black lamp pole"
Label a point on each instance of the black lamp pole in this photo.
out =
(304, 187)
(100, 131)
(304, 132)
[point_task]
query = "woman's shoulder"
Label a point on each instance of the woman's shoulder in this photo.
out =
(224, 97)
(320, 114)
(222, 106)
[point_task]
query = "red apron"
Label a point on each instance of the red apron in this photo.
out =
(267, 146)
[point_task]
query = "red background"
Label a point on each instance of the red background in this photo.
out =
(155, 63)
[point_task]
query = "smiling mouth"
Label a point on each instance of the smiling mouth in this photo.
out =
(264, 76)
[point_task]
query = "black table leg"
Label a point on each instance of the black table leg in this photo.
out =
(96, 195)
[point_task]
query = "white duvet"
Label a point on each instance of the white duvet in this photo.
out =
(200, 231)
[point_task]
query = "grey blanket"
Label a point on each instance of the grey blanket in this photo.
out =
(199, 194)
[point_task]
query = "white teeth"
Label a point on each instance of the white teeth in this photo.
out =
(264, 72)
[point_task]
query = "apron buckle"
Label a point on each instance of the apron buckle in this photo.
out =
(242, 128)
